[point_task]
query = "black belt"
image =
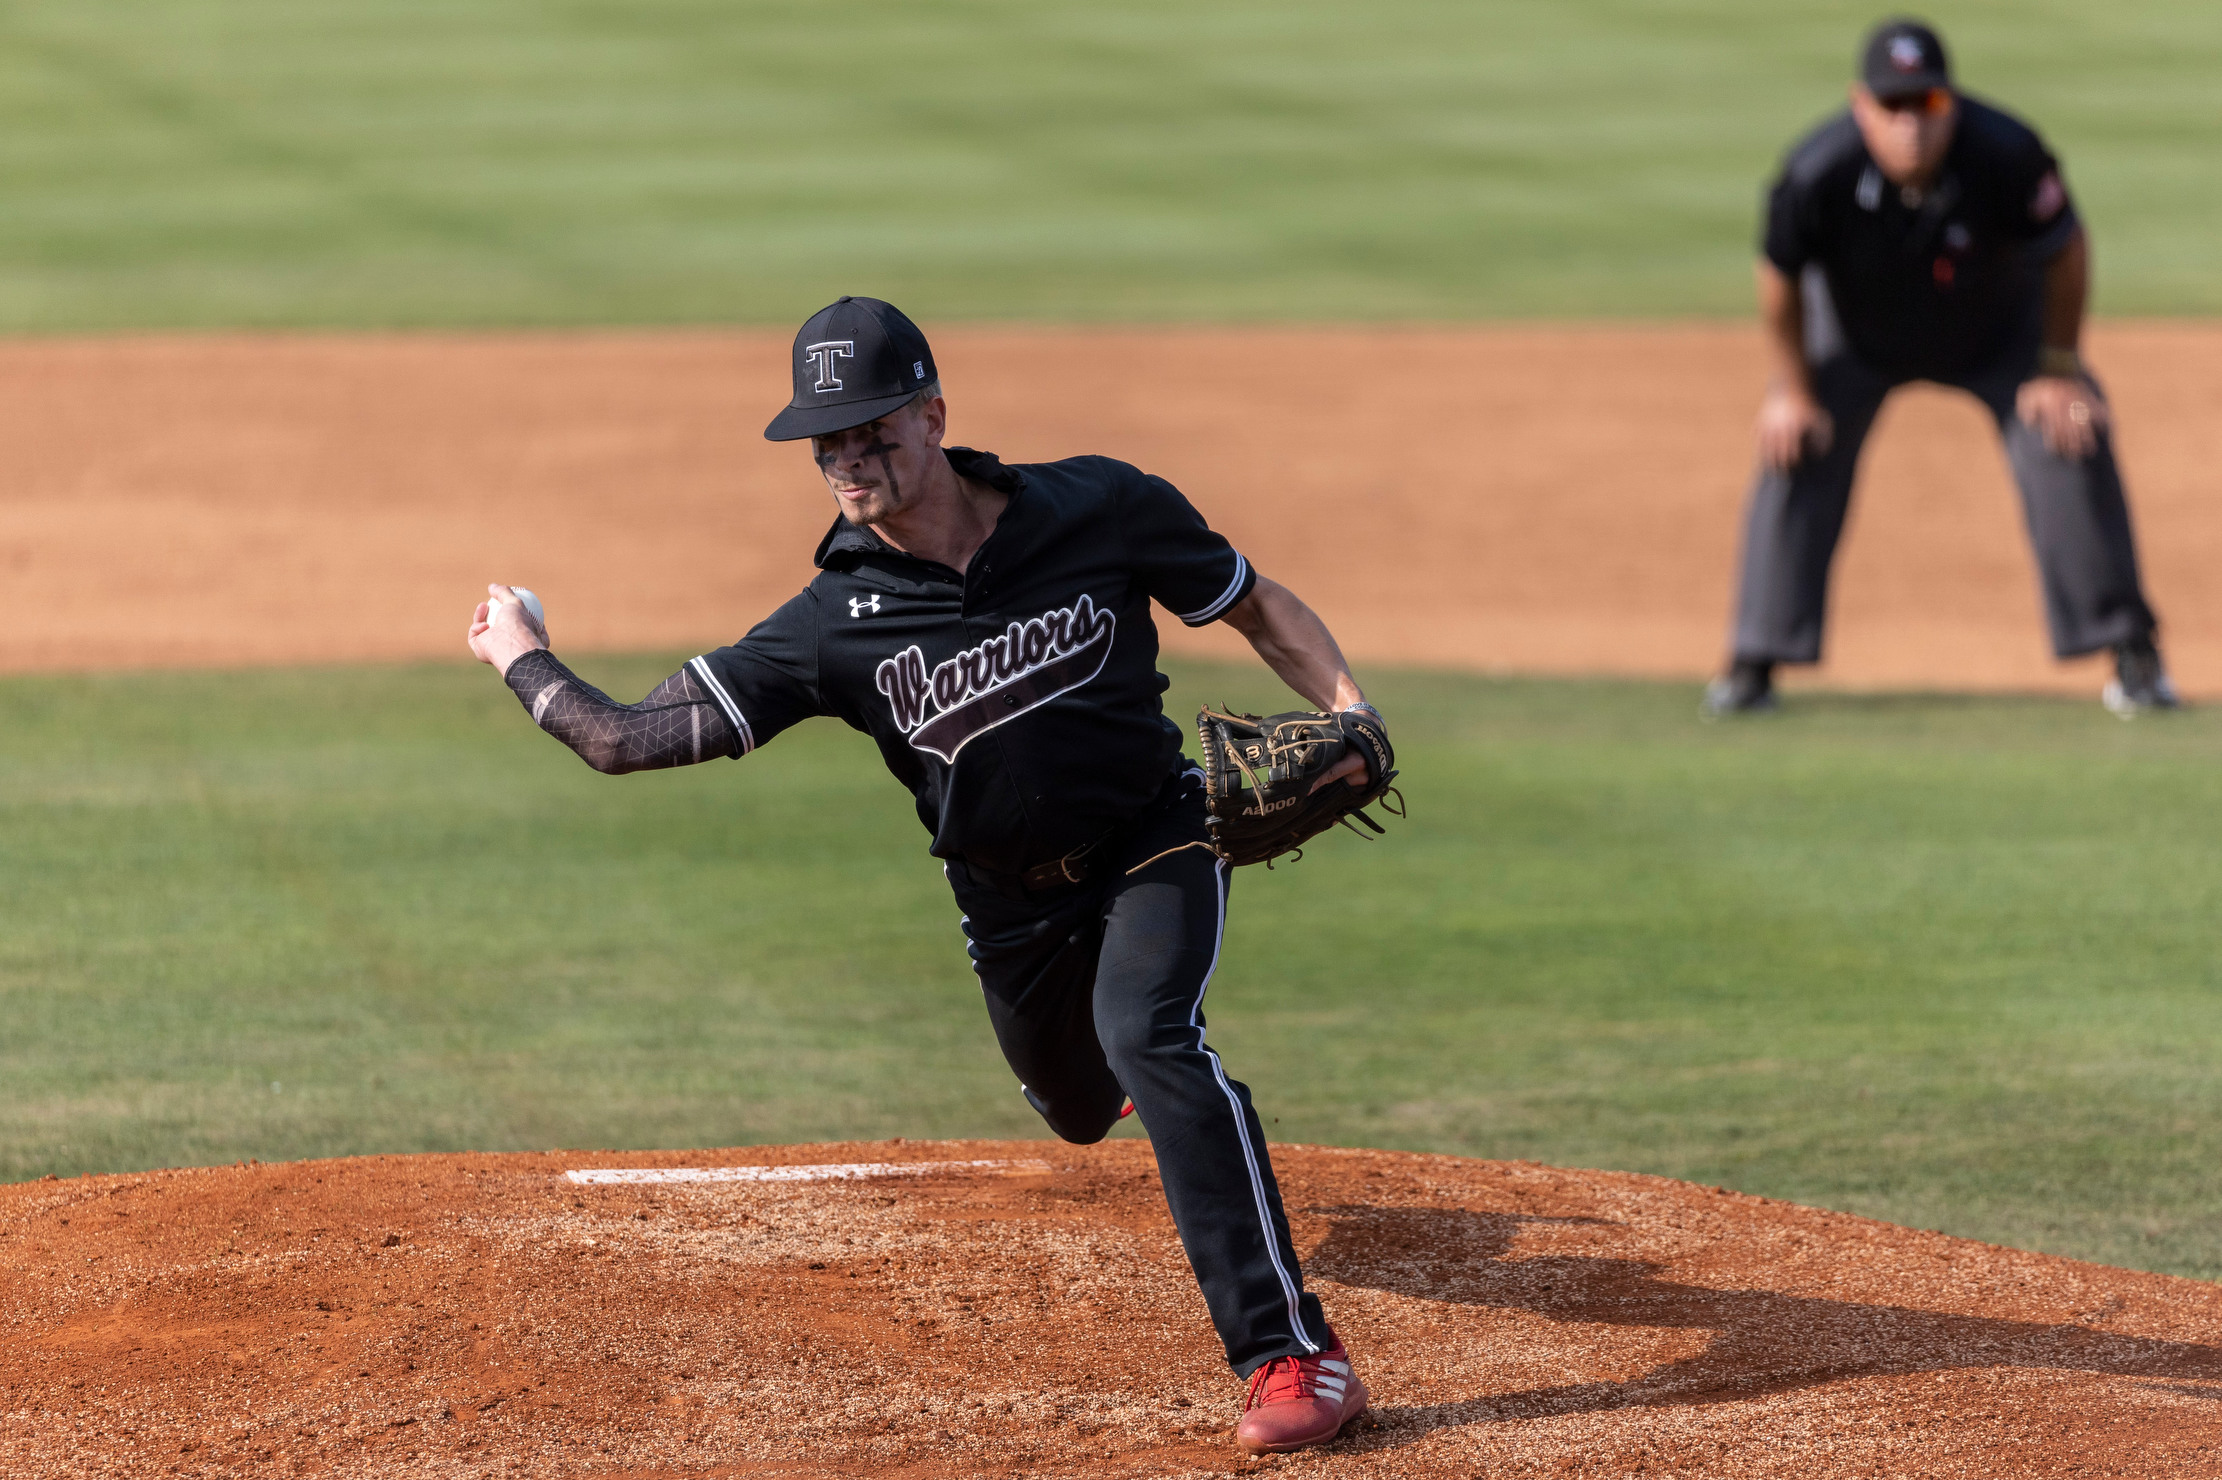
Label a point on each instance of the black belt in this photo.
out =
(1074, 868)
(1077, 867)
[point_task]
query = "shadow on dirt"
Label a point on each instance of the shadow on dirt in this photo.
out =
(1764, 1342)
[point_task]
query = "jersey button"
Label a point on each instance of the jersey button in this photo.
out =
(1010, 701)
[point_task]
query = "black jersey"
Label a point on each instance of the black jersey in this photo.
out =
(1020, 701)
(1929, 285)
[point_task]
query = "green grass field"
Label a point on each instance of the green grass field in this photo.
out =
(1949, 962)
(405, 162)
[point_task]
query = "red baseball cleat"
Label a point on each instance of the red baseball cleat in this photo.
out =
(1295, 1402)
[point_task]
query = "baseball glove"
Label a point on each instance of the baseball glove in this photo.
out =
(1282, 757)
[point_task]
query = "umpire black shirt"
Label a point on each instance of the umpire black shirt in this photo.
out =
(1928, 285)
(1020, 701)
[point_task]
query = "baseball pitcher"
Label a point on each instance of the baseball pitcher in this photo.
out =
(989, 626)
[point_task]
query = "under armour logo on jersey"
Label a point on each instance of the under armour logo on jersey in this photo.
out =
(823, 354)
(1870, 191)
(863, 605)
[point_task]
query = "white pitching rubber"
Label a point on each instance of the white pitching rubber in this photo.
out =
(854, 1171)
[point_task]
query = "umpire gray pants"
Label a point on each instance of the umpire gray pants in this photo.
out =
(2077, 518)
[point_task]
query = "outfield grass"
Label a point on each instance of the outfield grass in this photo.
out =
(441, 162)
(1945, 961)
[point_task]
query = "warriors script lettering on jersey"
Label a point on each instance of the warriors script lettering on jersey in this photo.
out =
(981, 687)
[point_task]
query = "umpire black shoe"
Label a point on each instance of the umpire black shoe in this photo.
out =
(1748, 687)
(2140, 681)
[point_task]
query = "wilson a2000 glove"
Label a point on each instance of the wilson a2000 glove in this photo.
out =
(1261, 776)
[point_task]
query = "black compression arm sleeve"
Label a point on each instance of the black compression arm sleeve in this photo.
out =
(678, 724)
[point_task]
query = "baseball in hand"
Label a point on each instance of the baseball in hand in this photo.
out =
(494, 641)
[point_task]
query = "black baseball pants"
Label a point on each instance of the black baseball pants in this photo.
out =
(1096, 995)
(2077, 517)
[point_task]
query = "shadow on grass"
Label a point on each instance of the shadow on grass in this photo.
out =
(1887, 703)
(1764, 1342)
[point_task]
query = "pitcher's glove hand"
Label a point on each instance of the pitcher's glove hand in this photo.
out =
(1262, 778)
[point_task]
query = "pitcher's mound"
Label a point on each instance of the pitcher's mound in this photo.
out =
(1022, 1308)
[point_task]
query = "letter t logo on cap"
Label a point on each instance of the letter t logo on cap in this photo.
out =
(823, 354)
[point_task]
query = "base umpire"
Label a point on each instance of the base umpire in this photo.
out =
(1922, 234)
(989, 626)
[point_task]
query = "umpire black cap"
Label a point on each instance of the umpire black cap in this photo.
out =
(1904, 58)
(855, 360)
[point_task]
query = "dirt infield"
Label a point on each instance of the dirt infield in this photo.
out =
(1534, 499)
(485, 1315)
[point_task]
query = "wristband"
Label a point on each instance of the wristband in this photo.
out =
(2066, 363)
(1368, 708)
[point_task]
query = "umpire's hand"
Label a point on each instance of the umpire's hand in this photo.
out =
(1792, 424)
(2067, 412)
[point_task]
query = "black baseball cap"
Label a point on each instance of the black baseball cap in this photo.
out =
(856, 359)
(1904, 58)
